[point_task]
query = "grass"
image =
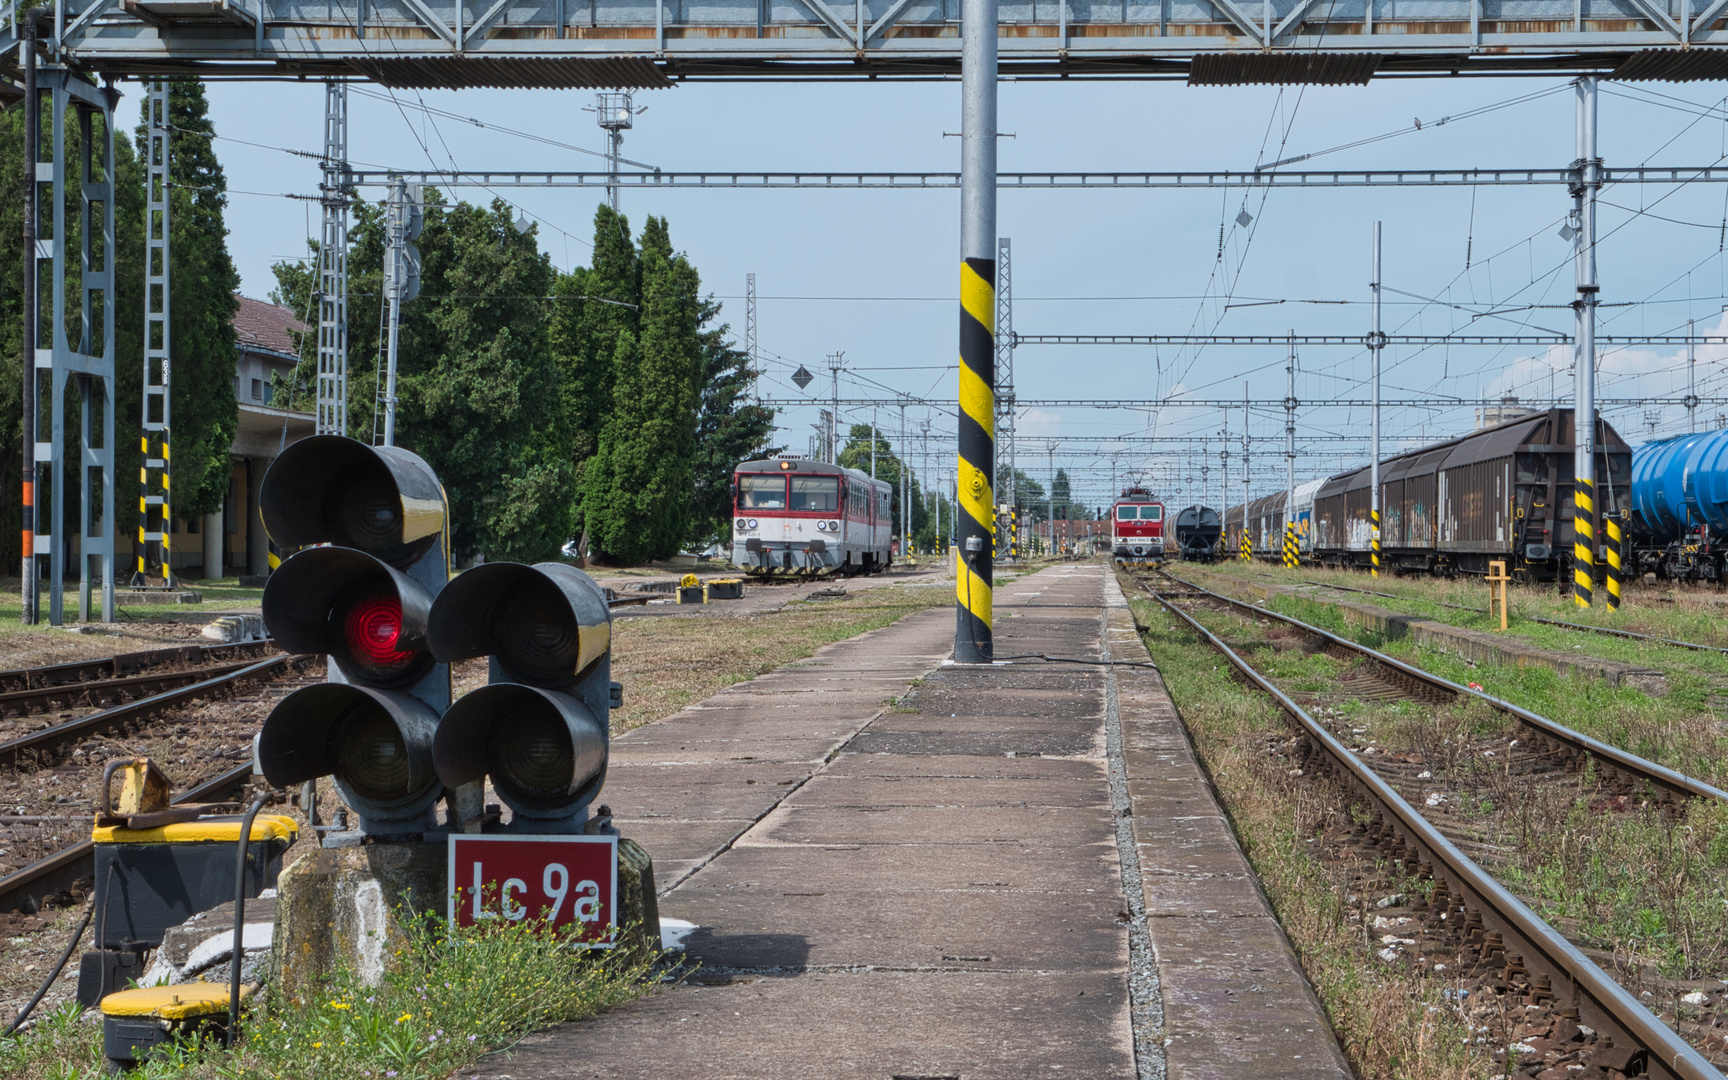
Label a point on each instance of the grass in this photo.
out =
(1617, 875)
(452, 997)
(1390, 1021)
(668, 663)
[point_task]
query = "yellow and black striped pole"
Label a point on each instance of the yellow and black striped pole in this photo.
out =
(1583, 543)
(1374, 544)
(1611, 529)
(1247, 546)
(977, 457)
(1289, 546)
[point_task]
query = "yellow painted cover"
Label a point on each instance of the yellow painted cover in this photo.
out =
(264, 827)
(180, 1002)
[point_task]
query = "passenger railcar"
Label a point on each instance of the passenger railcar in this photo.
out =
(795, 516)
(1504, 492)
(1137, 526)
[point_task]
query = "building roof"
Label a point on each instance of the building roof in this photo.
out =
(267, 327)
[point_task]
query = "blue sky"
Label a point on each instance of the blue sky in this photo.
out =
(873, 274)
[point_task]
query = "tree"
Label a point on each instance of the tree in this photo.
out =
(478, 387)
(856, 455)
(637, 487)
(1061, 496)
(728, 430)
(1029, 497)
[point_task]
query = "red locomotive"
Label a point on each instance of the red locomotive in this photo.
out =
(1137, 532)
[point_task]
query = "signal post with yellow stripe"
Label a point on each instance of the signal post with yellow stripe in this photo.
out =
(973, 579)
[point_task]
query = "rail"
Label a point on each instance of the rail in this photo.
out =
(107, 719)
(1572, 977)
(1612, 758)
(110, 667)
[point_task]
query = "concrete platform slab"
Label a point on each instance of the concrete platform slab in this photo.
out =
(875, 1025)
(832, 790)
(1027, 868)
(963, 766)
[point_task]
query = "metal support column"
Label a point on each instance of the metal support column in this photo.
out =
(1005, 441)
(333, 267)
(1376, 342)
(1290, 440)
(750, 338)
(155, 472)
(1584, 354)
(89, 364)
(32, 305)
(1691, 379)
(977, 452)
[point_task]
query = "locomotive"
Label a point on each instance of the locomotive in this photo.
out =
(798, 517)
(1137, 529)
(1501, 493)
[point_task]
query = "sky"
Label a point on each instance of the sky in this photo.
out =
(873, 274)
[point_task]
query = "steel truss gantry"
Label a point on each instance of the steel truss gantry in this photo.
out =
(1044, 181)
(1267, 404)
(647, 43)
(74, 351)
(1360, 341)
(333, 192)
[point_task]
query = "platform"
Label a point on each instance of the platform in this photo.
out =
(902, 867)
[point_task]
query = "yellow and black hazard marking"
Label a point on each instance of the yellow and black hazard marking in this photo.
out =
(973, 584)
(1612, 531)
(155, 493)
(1583, 543)
(1374, 552)
(1247, 547)
(1292, 556)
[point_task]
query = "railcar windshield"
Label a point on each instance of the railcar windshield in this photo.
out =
(762, 492)
(817, 493)
(1127, 513)
(1151, 513)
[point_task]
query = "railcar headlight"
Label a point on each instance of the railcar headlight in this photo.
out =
(742, 524)
(833, 526)
(752, 523)
(821, 526)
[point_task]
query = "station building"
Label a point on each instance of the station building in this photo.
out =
(233, 540)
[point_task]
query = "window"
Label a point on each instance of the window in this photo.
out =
(269, 392)
(1127, 513)
(1151, 513)
(817, 493)
(762, 492)
(257, 389)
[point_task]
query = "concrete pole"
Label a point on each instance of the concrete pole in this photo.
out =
(977, 457)
(257, 541)
(213, 546)
(872, 442)
(1376, 342)
(1224, 462)
(1584, 355)
(1290, 430)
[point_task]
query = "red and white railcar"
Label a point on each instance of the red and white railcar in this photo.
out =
(801, 517)
(1137, 526)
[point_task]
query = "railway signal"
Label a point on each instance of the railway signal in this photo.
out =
(372, 523)
(539, 728)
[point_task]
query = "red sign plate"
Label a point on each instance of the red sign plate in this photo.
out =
(563, 880)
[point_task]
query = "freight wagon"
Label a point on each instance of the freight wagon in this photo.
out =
(1266, 523)
(1504, 492)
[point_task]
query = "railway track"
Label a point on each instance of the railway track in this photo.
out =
(199, 733)
(1469, 917)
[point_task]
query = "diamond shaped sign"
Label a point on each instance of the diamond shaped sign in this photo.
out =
(802, 377)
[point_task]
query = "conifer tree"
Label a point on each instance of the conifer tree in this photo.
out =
(729, 429)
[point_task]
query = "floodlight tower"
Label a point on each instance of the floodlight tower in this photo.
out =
(614, 114)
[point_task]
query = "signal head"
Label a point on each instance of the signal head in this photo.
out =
(375, 744)
(546, 625)
(367, 615)
(545, 751)
(330, 489)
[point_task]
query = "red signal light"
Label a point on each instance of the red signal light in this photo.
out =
(373, 629)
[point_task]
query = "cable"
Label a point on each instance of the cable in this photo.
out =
(42, 991)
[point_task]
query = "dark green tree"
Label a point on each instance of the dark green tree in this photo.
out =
(855, 454)
(637, 488)
(1062, 496)
(729, 429)
(1029, 497)
(477, 385)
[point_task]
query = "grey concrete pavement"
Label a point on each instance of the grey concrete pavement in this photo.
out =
(904, 868)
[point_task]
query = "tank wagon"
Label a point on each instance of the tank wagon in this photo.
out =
(1504, 492)
(798, 517)
(1679, 507)
(1197, 529)
(1137, 526)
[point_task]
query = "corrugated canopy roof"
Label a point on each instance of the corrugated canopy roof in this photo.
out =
(515, 73)
(1283, 69)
